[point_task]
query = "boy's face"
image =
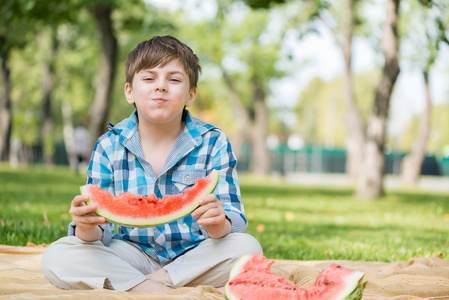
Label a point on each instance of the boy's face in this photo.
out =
(161, 93)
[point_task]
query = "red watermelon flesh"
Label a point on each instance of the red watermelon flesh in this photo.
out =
(251, 279)
(145, 211)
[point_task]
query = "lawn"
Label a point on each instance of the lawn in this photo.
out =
(291, 222)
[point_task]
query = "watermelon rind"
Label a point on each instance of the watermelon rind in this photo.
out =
(352, 285)
(155, 221)
(235, 270)
(237, 267)
(357, 293)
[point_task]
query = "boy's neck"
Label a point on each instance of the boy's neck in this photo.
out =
(157, 141)
(154, 133)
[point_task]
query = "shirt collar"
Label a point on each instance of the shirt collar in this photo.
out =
(190, 138)
(128, 134)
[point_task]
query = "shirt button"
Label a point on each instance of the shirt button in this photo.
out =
(187, 178)
(160, 249)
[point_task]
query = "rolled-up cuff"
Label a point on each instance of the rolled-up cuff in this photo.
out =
(204, 232)
(107, 233)
(238, 223)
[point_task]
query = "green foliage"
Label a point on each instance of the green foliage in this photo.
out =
(321, 108)
(76, 62)
(439, 136)
(263, 3)
(440, 123)
(246, 43)
(237, 47)
(291, 222)
(423, 24)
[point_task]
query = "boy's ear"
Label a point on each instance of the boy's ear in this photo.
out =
(128, 93)
(192, 96)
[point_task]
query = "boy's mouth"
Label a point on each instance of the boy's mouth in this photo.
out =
(159, 100)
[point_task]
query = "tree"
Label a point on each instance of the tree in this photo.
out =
(353, 120)
(102, 11)
(370, 184)
(261, 59)
(48, 79)
(246, 66)
(57, 69)
(434, 37)
(411, 163)
(20, 18)
(5, 104)
(12, 27)
(249, 88)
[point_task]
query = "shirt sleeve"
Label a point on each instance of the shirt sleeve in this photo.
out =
(228, 189)
(100, 172)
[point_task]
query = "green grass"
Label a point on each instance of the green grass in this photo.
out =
(294, 222)
(291, 222)
(35, 203)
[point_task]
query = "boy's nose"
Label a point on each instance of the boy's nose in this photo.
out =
(161, 87)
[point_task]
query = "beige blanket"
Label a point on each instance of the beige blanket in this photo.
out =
(418, 278)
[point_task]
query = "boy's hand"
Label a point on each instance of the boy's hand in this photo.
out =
(86, 220)
(211, 216)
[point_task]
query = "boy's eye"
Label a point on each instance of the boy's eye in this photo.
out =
(175, 80)
(148, 78)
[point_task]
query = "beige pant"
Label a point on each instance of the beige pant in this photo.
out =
(71, 263)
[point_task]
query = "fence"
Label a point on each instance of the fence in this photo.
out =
(309, 159)
(317, 159)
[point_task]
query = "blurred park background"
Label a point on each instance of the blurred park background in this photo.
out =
(356, 89)
(326, 103)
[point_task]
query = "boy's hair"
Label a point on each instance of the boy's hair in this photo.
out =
(160, 50)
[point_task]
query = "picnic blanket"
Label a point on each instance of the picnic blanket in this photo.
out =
(21, 277)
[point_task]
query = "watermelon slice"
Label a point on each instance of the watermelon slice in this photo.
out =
(250, 278)
(146, 211)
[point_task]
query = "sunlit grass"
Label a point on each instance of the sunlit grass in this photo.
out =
(34, 204)
(295, 222)
(291, 222)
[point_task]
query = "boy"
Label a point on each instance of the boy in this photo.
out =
(160, 149)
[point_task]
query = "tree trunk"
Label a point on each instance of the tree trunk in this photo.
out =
(5, 106)
(260, 160)
(252, 129)
(412, 163)
(67, 130)
(354, 126)
(242, 116)
(370, 184)
(100, 109)
(48, 76)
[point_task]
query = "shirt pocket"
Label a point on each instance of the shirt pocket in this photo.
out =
(185, 178)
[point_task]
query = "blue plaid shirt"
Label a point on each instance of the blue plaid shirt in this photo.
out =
(118, 165)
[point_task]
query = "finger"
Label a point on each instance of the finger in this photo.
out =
(204, 208)
(89, 221)
(82, 210)
(218, 219)
(209, 199)
(211, 213)
(79, 200)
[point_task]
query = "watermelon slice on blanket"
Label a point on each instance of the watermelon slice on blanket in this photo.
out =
(251, 279)
(146, 211)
